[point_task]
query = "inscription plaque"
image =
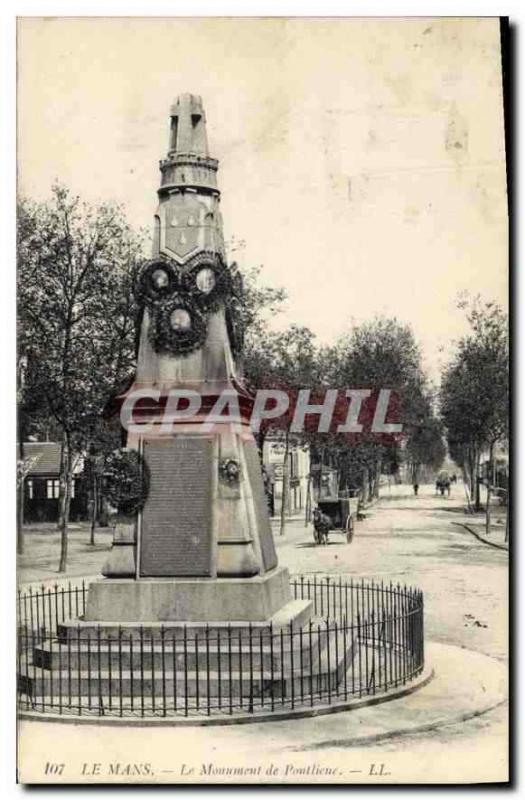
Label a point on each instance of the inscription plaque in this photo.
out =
(176, 535)
(261, 506)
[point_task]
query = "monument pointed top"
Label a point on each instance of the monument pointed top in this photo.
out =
(188, 165)
(188, 126)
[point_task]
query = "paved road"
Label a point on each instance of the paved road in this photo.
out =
(415, 541)
(465, 583)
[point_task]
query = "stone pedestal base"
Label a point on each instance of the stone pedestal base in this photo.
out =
(188, 645)
(189, 599)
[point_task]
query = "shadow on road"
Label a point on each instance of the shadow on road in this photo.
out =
(449, 509)
(302, 545)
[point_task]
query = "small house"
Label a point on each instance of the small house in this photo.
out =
(42, 486)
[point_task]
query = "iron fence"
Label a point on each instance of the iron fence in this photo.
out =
(362, 639)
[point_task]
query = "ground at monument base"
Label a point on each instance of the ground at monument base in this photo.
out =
(467, 694)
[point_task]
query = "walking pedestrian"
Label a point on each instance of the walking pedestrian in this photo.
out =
(416, 488)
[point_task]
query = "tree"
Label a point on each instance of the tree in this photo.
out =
(474, 396)
(259, 304)
(286, 360)
(379, 354)
(76, 267)
(425, 445)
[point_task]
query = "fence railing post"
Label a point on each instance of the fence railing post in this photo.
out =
(63, 665)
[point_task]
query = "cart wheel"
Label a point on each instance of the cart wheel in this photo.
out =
(349, 528)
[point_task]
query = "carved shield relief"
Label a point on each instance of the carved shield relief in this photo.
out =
(182, 221)
(189, 224)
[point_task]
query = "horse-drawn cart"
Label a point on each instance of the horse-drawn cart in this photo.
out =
(338, 515)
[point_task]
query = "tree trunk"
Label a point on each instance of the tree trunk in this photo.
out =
(472, 471)
(491, 482)
(477, 480)
(20, 518)
(466, 486)
(308, 503)
(64, 499)
(94, 510)
(364, 484)
(377, 479)
(20, 496)
(286, 480)
(260, 439)
(507, 521)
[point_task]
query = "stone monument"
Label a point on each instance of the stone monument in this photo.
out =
(201, 548)
(192, 603)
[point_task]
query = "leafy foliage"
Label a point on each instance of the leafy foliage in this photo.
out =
(126, 480)
(77, 318)
(379, 354)
(425, 444)
(474, 397)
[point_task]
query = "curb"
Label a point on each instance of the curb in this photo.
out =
(269, 716)
(482, 538)
(393, 734)
(445, 658)
(448, 697)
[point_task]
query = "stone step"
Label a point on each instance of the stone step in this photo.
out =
(130, 684)
(37, 681)
(264, 651)
(293, 616)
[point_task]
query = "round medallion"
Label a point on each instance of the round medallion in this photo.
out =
(160, 278)
(180, 320)
(205, 280)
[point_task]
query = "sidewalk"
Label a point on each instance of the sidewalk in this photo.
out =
(496, 538)
(40, 560)
(465, 686)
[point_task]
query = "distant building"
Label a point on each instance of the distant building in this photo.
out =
(42, 487)
(495, 473)
(298, 470)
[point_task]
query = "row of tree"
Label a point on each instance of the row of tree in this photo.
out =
(78, 333)
(474, 395)
(378, 354)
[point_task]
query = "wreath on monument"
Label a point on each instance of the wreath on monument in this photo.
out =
(230, 471)
(180, 300)
(126, 481)
(208, 281)
(157, 280)
(178, 326)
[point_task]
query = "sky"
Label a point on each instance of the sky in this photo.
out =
(362, 161)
